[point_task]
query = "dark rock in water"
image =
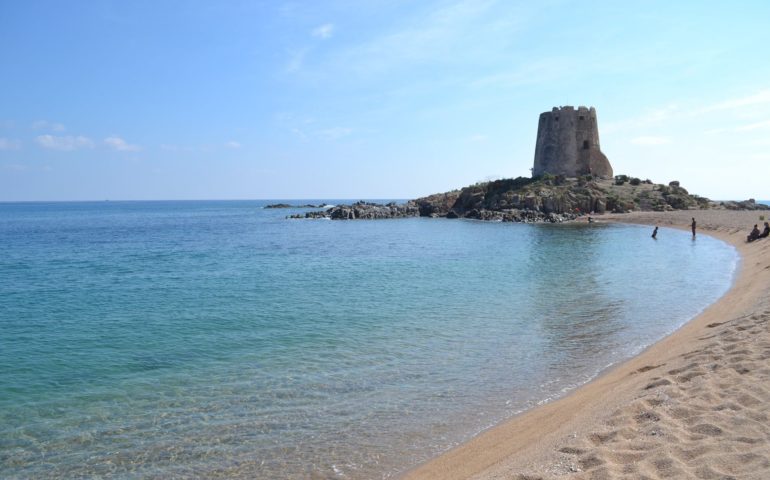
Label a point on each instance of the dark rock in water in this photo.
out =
(286, 205)
(452, 214)
(367, 211)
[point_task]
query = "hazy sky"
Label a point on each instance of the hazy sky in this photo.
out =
(371, 99)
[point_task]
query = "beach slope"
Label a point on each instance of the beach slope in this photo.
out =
(694, 405)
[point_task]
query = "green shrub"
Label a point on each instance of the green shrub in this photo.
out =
(548, 178)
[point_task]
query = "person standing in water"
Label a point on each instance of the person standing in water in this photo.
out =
(693, 227)
(655, 233)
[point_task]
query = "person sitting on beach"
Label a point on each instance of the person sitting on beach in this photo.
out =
(655, 233)
(754, 234)
(766, 232)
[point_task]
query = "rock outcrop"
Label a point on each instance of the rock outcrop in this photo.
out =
(544, 199)
(364, 211)
(287, 205)
(749, 204)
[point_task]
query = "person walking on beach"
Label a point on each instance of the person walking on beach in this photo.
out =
(655, 233)
(693, 227)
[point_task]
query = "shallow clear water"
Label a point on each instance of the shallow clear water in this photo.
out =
(205, 339)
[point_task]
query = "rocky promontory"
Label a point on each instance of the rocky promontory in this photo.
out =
(546, 198)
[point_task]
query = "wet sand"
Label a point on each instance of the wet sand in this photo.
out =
(695, 405)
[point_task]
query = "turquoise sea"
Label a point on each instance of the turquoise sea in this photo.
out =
(218, 339)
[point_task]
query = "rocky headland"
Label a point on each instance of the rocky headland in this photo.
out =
(546, 198)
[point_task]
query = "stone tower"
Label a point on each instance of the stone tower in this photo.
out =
(568, 144)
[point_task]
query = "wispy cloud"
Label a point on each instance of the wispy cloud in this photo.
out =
(756, 99)
(753, 126)
(335, 133)
(300, 134)
(536, 72)
(730, 108)
(765, 124)
(298, 125)
(435, 35)
(116, 143)
(478, 138)
(9, 144)
(760, 142)
(650, 141)
(653, 116)
(46, 125)
(232, 144)
(296, 60)
(323, 31)
(64, 143)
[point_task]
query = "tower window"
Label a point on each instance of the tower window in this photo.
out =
(556, 118)
(582, 118)
(586, 145)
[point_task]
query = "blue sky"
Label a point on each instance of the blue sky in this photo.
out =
(375, 99)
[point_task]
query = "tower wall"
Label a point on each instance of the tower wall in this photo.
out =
(568, 144)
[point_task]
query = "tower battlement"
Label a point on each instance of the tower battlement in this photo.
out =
(568, 144)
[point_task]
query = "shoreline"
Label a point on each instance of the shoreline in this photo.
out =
(661, 413)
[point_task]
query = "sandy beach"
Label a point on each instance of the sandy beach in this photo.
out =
(693, 406)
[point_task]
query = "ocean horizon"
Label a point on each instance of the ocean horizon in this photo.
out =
(220, 339)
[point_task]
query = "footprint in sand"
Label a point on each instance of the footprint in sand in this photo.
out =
(602, 438)
(647, 368)
(706, 429)
(658, 383)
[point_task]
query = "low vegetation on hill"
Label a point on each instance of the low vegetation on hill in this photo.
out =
(545, 198)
